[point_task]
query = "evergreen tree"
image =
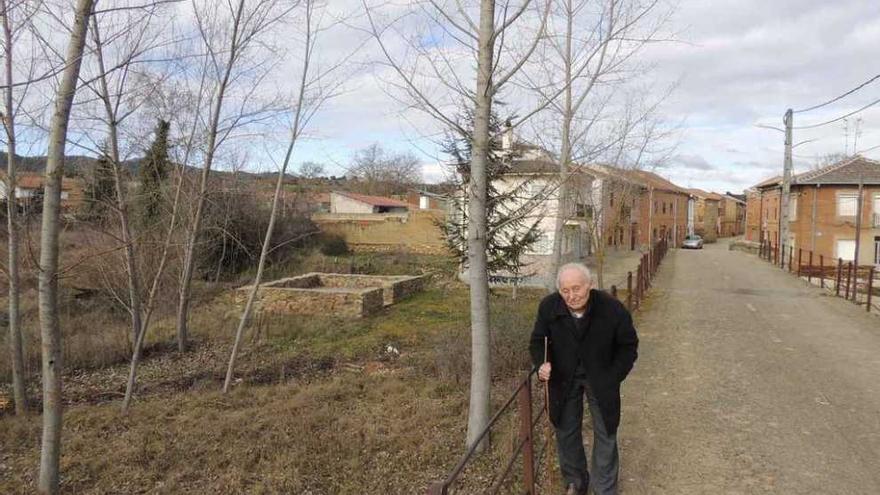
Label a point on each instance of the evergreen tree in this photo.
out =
(153, 172)
(511, 228)
(101, 190)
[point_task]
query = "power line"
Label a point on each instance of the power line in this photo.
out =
(860, 86)
(872, 148)
(812, 126)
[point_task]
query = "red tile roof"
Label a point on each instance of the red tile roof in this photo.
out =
(35, 181)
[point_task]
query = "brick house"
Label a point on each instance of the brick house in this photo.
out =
(823, 209)
(664, 209)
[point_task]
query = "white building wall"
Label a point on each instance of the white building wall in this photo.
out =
(340, 203)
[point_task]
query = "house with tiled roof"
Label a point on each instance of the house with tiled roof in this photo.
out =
(349, 202)
(824, 211)
(29, 188)
(706, 218)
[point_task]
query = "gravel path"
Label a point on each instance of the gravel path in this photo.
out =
(750, 382)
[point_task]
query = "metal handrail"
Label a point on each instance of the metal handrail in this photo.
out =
(441, 487)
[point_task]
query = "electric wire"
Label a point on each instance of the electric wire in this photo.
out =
(813, 126)
(860, 86)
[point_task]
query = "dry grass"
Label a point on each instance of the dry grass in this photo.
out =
(372, 424)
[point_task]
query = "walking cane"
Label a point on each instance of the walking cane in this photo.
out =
(551, 473)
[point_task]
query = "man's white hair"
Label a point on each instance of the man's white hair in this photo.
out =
(574, 266)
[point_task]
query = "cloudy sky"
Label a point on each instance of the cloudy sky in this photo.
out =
(735, 64)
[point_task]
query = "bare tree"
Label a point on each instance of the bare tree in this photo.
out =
(316, 86)
(383, 173)
(227, 42)
(50, 327)
(587, 62)
(116, 93)
(311, 170)
(15, 17)
(490, 40)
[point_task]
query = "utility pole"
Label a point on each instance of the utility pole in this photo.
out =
(786, 181)
(858, 229)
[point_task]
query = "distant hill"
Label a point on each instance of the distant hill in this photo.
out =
(75, 165)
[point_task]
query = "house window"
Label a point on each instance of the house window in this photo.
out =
(847, 204)
(664, 207)
(536, 190)
(612, 199)
(846, 249)
(543, 245)
(877, 250)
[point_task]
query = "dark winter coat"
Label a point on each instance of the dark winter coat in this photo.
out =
(608, 351)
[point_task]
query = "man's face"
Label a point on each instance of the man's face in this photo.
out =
(574, 288)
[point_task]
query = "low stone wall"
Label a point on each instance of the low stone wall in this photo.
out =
(745, 246)
(333, 294)
(347, 303)
(394, 288)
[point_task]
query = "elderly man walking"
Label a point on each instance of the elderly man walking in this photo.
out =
(592, 347)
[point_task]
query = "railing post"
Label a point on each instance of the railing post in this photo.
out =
(870, 288)
(614, 291)
(837, 283)
(810, 273)
(525, 435)
(790, 257)
(782, 256)
(629, 291)
(848, 278)
(821, 271)
(800, 253)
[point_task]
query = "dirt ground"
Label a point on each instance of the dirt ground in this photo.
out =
(750, 382)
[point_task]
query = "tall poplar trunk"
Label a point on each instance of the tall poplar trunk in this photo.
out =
(564, 158)
(50, 326)
(190, 245)
(19, 384)
(163, 261)
(481, 359)
(134, 286)
(279, 183)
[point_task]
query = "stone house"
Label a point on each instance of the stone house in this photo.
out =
(731, 216)
(706, 206)
(29, 187)
(823, 210)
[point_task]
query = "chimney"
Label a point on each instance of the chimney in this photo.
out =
(507, 136)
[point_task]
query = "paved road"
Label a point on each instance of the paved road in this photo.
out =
(750, 382)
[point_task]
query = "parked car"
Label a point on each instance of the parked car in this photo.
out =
(692, 242)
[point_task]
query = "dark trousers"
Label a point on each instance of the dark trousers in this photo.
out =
(570, 445)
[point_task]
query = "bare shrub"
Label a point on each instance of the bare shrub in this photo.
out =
(235, 223)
